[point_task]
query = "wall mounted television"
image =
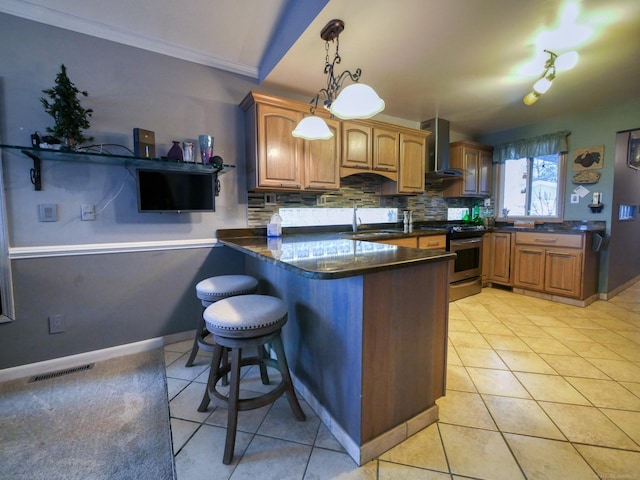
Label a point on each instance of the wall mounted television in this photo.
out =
(175, 191)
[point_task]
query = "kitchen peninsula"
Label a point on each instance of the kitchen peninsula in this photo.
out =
(366, 338)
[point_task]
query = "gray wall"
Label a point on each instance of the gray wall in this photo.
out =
(109, 299)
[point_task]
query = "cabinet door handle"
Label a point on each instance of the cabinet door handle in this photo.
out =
(546, 240)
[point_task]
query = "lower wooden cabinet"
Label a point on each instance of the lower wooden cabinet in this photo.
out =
(402, 242)
(433, 242)
(499, 261)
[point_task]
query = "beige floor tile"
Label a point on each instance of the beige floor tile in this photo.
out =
(551, 388)
(620, 370)
(423, 450)
(633, 387)
(452, 356)
(629, 422)
(284, 460)
(592, 350)
(464, 408)
(507, 342)
(543, 459)
(327, 464)
(496, 328)
(629, 350)
(480, 357)
(573, 366)
(392, 471)
(458, 325)
(497, 382)
(605, 393)
(466, 339)
(181, 431)
(458, 379)
(610, 463)
(185, 404)
(587, 425)
(529, 331)
(566, 334)
(523, 416)
(326, 440)
(546, 320)
(581, 322)
(525, 362)
(511, 319)
(478, 453)
(547, 345)
(604, 336)
(281, 423)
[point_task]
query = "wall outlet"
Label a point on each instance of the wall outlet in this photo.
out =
(321, 200)
(56, 324)
(47, 212)
(87, 212)
(487, 202)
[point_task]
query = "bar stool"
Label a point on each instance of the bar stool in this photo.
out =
(237, 323)
(209, 291)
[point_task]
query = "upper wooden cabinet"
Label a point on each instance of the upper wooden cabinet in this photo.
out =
(279, 161)
(475, 160)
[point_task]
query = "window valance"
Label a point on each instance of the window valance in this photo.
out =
(532, 147)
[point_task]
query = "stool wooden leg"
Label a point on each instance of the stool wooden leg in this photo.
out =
(199, 336)
(232, 415)
(262, 354)
(286, 377)
(213, 371)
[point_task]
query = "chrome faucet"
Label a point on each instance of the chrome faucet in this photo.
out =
(356, 221)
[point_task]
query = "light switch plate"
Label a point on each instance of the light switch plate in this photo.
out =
(47, 212)
(87, 212)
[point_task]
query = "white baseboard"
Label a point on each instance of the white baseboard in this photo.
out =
(79, 359)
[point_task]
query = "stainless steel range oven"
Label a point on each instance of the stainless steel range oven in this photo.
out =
(465, 274)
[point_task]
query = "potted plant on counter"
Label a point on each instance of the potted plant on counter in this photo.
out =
(70, 117)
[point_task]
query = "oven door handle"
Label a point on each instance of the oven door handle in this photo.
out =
(466, 242)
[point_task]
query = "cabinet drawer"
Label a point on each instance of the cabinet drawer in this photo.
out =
(433, 242)
(402, 242)
(550, 239)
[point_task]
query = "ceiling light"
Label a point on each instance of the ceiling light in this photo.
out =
(565, 61)
(312, 128)
(354, 101)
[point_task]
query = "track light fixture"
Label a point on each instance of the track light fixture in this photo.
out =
(354, 101)
(554, 63)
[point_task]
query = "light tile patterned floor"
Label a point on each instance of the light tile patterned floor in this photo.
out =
(535, 390)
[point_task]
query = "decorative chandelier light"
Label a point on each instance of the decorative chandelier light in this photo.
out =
(555, 63)
(354, 101)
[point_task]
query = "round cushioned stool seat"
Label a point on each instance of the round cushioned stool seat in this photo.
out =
(212, 289)
(246, 316)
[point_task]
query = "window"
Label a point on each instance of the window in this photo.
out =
(532, 188)
(530, 178)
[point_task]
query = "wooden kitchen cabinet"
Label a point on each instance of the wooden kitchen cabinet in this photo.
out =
(369, 147)
(433, 242)
(499, 261)
(386, 149)
(402, 242)
(555, 264)
(475, 160)
(411, 169)
(278, 161)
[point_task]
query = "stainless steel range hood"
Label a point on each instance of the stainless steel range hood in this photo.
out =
(438, 143)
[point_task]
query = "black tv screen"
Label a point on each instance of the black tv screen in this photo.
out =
(175, 191)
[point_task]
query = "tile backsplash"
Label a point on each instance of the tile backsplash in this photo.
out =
(365, 189)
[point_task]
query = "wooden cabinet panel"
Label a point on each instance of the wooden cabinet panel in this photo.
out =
(433, 242)
(356, 146)
(385, 149)
(413, 157)
(322, 171)
(475, 160)
(529, 267)
(499, 257)
(549, 239)
(402, 242)
(563, 272)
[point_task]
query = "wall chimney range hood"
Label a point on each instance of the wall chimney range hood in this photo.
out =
(438, 143)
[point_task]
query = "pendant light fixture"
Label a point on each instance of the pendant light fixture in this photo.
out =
(354, 101)
(554, 63)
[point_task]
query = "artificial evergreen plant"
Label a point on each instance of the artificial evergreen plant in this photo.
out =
(70, 117)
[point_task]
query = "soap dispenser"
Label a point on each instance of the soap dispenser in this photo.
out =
(274, 227)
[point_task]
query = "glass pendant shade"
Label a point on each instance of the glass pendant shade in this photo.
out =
(567, 61)
(542, 85)
(312, 128)
(357, 101)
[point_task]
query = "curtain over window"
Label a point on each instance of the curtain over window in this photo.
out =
(551, 143)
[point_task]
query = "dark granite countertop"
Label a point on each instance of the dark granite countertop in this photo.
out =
(329, 255)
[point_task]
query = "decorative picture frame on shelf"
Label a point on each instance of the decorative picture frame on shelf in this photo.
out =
(588, 158)
(633, 150)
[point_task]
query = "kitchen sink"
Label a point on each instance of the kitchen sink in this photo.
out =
(371, 233)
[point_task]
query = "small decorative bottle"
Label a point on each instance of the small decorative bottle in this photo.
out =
(175, 152)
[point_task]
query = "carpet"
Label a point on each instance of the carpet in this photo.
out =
(106, 421)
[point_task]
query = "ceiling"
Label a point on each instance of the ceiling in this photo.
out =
(456, 59)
